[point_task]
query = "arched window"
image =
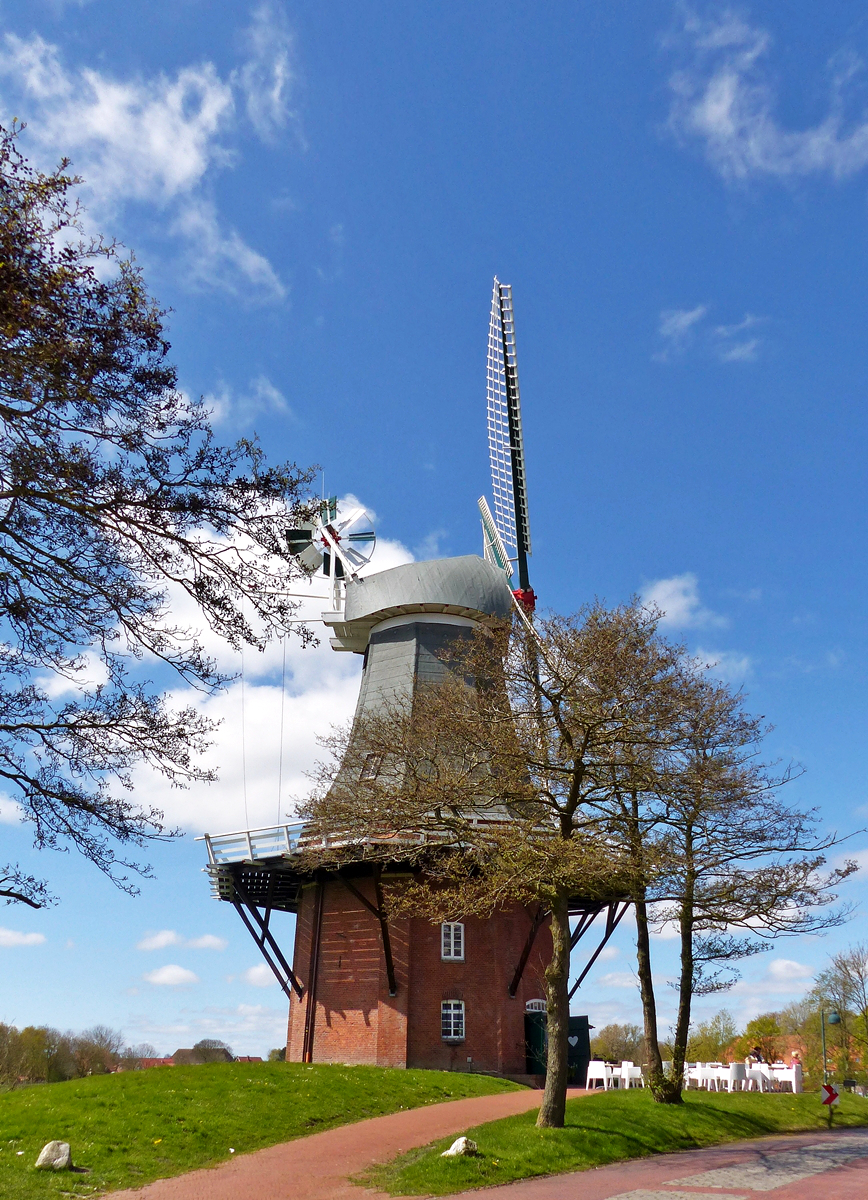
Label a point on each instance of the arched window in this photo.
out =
(452, 1020)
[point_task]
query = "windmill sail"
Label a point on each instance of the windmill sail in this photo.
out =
(493, 548)
(505, 446)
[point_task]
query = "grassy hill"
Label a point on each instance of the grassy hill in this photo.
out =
(138, 1126)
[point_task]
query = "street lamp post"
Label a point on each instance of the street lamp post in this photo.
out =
(834, 1019)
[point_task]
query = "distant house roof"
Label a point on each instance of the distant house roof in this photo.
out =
(144, 1063)
(193, 1058)
(247, 1058)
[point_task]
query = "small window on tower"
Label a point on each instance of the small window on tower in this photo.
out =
(452, 1020)
(452, 941)
(371, 766)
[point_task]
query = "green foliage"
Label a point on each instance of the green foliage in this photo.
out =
(763, 1033)
(39, 1054)
(710, 1040)
(138, 1126)
(615, 1043)
(604, 1129)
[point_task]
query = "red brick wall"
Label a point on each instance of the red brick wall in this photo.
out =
(494, 1022)
(358, 1022)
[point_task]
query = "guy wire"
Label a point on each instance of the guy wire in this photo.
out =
(280, 758)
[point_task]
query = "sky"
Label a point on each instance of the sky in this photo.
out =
(321, 194)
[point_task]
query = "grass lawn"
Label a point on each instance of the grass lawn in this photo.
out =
(606, 1128)
(142, 1125)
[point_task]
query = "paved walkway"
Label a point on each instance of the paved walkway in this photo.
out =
(317, 1167)
(802, 1166)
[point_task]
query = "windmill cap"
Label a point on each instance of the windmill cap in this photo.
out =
(462, 587)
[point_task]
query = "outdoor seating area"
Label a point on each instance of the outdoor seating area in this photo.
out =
(744, 1077)
(613, 1075)
(712, 1077)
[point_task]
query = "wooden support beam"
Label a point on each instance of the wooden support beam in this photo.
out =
(540, 916)
(377, 910)
(360, 896)
(384, 931)
(310, 1008)
(585, 920)
(242, 903)
(613, 918)
(281, 977)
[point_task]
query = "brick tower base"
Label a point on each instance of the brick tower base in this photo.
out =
(347, 1014)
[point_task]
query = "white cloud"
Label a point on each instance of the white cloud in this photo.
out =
(12, 937)
(248, 1028)
(608, 953)
(158, 141)
(208, 941)
(783, 979)
(11, 812)
(430, 546)
(616, 979)
(732, 346)
(321, 691)
(171, 976)
(785, 970)
(215, 258)
(677, 328)
(746, 351)
(681, 328)
(667, 932)
(159, 940)
(267, 76)
(722, 98)
(169, 937)
(260, 396)
(675, 323)
(91, 672)
(260, 976)
(678, 599)
(729, 665)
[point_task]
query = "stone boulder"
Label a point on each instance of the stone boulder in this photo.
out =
(461, 1147)
(55, 1156)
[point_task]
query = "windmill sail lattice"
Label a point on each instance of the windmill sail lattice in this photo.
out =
(505, 445)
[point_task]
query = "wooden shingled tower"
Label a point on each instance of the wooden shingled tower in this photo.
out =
(364, 989)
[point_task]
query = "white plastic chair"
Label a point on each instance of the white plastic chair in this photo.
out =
(736, 1077)
(692, 1073)
(631, 1075)
(788, 1076)
(758, 1080)
(599, 1072)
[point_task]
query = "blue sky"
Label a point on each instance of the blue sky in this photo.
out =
(322, 193)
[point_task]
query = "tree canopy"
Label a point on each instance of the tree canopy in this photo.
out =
(114, 495)
(588, 757)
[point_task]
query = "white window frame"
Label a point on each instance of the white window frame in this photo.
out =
(452, 1020)
(452, 941)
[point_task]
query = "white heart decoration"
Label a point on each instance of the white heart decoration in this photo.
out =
(574, 1041)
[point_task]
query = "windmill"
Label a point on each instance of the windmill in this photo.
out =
(365, 987)
(340, 541)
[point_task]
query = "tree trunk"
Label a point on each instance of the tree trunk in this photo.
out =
(551, 1113)
(663, 1090)
(686, 983)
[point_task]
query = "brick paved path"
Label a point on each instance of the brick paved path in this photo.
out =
(802, 1166)
(316, 1167)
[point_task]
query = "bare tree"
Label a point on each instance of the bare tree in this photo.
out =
(585, 756)
(112, 492)
(511, 775)
(742, 866)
